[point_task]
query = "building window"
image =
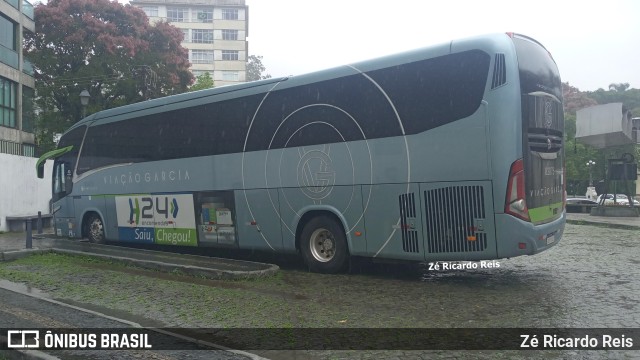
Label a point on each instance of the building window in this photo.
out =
(204, 15)
(197, 73)
(151, 11)
(177, 14)
(229, 34)
(28, 118)
(7, 103)
(229, 14)
(185, 35)
(230, 76)
(29, 150)
(8, 33)
(229, 54)
(202, 36)
(9, 147)
(201, 56)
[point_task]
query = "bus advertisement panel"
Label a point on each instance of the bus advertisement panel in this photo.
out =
(159, 219)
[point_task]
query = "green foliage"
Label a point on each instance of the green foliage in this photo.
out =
(574, 99)
(203, 81)
(577, 154)
(100, 46)
(255, 69)
(619, 93)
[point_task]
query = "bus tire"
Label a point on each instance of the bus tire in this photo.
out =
(95, 229)
(324, 245)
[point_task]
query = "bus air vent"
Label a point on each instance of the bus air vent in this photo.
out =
(549, 143)
(499, 72)
(452, 217)
(407, 223)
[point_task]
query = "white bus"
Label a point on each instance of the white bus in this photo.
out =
(452, 152)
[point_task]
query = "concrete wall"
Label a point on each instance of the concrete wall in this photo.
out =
(21, 192)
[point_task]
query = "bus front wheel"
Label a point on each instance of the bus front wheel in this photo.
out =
(324, 246)
(95, 229)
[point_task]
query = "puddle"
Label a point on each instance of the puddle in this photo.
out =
(24, 289)
(119, 314)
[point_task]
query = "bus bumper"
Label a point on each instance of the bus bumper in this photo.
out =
(515, 237)
(66, 227)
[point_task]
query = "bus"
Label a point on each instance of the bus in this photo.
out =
(447, 153)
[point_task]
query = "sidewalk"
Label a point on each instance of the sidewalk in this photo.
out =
(622, 222)
(18, 240)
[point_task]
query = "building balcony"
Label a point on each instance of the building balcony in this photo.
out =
(9, 57)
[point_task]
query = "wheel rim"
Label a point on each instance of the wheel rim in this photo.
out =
(322, 245)
(95, 229)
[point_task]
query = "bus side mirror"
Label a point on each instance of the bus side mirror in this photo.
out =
(40, 170)
(50, 155)
(68, 184)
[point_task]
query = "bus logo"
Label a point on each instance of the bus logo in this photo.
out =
(315, 174)
(148, 210)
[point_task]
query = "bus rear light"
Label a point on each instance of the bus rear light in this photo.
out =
(515, 203)
(564, 186)
(522, 246)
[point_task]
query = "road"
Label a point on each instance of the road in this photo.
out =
(22, 311)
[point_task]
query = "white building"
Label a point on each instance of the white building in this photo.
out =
(215, 32)
(16, 80)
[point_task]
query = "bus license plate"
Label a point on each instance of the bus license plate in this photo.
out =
(551, 238)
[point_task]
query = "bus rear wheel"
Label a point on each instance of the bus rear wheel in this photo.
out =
(324, 246)
(95, 229)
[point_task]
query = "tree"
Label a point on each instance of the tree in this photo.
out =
(619, 93)
(619, 86)
(105, 47)
(255, 69)
(575, 99)
(203, 81)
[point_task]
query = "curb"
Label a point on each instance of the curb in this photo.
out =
(195, 271)
(15, 354)
(154, 260)
(40, 355)
(602, 224)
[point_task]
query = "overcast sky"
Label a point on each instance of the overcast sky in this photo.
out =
(594, 43)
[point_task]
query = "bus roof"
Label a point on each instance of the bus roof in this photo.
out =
(173, 99)
(412, 55)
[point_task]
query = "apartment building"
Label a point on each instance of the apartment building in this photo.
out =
(16, 80)
(215, 32)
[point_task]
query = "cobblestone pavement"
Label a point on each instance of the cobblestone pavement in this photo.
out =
(588, 280)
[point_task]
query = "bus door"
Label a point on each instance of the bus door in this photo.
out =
(66, 156)
(458, 220)
(63, 205)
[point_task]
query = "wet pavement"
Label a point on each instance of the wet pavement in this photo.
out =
(624, 222)
(19, 311)
(588, 280)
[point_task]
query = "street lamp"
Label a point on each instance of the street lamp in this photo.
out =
(590, 165)
(84, 101)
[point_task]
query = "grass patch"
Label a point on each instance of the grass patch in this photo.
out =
(288, 299)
